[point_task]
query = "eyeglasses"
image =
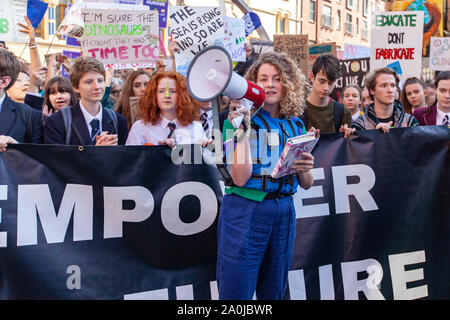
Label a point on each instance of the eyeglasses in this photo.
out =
(115, 91)
(22, 81)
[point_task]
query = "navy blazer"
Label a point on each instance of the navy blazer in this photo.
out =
(55, 129)
(34, 101)
(12, 124)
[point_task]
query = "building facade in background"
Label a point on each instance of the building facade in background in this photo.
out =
(340, 21)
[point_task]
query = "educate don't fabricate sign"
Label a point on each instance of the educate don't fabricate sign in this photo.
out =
(396, 42)
(121, 36)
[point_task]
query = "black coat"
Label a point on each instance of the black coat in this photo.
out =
(20, 122)
(55, 129)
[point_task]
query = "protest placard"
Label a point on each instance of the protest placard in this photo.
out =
(440, 53)
(353, 71)
(260, 46)
(296, 46)
(318, 49)
(252, 22)
(396, 42)
(12, 12)
(161, 6)
(354, 51)
(72, 55)
(194, 28)
(121, 36)
(234, 38)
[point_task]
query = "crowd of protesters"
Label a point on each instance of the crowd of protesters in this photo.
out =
(107, 107)
(94, 92)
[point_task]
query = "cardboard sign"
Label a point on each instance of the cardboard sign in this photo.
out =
(234, 38)
(440, 53)
(296, 46)
(318, 49)
(12, 12)
(194, 28)
(260, 46)
(396, 42)
(121, 36)
(353, 71)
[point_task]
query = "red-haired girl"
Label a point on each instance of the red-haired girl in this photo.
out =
(168, 113)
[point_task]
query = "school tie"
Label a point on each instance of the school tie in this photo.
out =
(446, 120)
(172, 126)
(204, 118)
(95, 125)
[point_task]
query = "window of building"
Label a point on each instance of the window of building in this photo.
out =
(282, 24)
(357, 26)
(348, 24)
(51, 20)
(364, 34)
(327, 16)
(312, 11)
(365, 8)
(350, 4)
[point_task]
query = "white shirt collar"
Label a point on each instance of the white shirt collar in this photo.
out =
(165, 122)
(440, 115)
(88, 117)
(208, 113)
(2, 99)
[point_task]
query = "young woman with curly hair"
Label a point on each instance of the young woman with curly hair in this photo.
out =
(168, 113)
(256, 228)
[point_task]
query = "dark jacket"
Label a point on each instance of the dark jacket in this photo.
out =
(55, 129)
(426, 115)
(369, 120)
(36, 102)
(20, 122)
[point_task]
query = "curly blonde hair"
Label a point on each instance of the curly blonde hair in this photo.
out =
(293, 80)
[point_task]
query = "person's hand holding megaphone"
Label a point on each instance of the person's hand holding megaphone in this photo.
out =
(236, 111)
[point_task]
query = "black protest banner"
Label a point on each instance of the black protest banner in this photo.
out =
(375, 225)
(113, 214)
(127, 223)
(353, 72)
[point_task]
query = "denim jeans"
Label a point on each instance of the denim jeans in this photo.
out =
(255, 243)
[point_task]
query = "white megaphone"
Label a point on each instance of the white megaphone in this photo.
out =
(211, 73)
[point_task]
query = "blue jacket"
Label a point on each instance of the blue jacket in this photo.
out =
(55, 130)
(266, 142)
